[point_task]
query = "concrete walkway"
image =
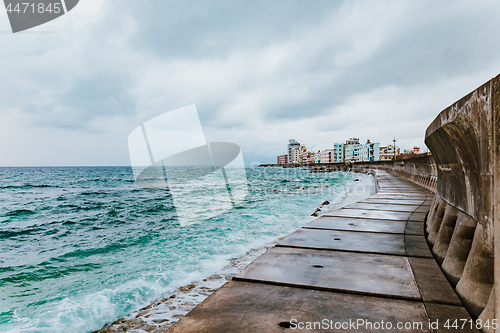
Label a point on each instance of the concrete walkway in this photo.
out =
(361, 268)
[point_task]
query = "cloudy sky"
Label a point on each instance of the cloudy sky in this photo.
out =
(259, 72)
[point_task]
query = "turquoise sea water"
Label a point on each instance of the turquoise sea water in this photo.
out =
(84, 246)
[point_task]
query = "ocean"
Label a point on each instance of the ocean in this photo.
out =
(83, 246)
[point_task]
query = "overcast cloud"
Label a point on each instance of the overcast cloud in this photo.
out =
(259, 72)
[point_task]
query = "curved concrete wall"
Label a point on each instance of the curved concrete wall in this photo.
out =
(461, 140)
(464, 217)
(463, 170)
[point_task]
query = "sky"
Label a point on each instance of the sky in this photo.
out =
(259, 72)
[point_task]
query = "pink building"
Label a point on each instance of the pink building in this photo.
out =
(282, 159)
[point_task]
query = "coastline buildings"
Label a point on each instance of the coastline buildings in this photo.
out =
(350, 151)
(356, 152)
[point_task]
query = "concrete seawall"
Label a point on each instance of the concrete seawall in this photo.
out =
(464, 173)
(464, 217)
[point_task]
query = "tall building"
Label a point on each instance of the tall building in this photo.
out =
(370, 151)
(282, 159)
(351, 150)
(338, 153)
(295, 156)
(294, 152)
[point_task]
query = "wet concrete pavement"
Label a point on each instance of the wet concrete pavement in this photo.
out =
(357, 269)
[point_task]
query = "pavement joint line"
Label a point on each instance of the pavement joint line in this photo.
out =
(366, 218)
(368, 201)
(392, 198)
(401, 184)
(336, 290)
(404, 187)
(375, 201)
(409, 196)
(382, 190)
(400, 197)
(380, 210)
(360, 231)
(352, 251)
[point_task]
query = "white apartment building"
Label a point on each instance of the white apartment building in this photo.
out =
(351, 153)
(295, 157)
(370, 151)
(326, 156)
(294, 152)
